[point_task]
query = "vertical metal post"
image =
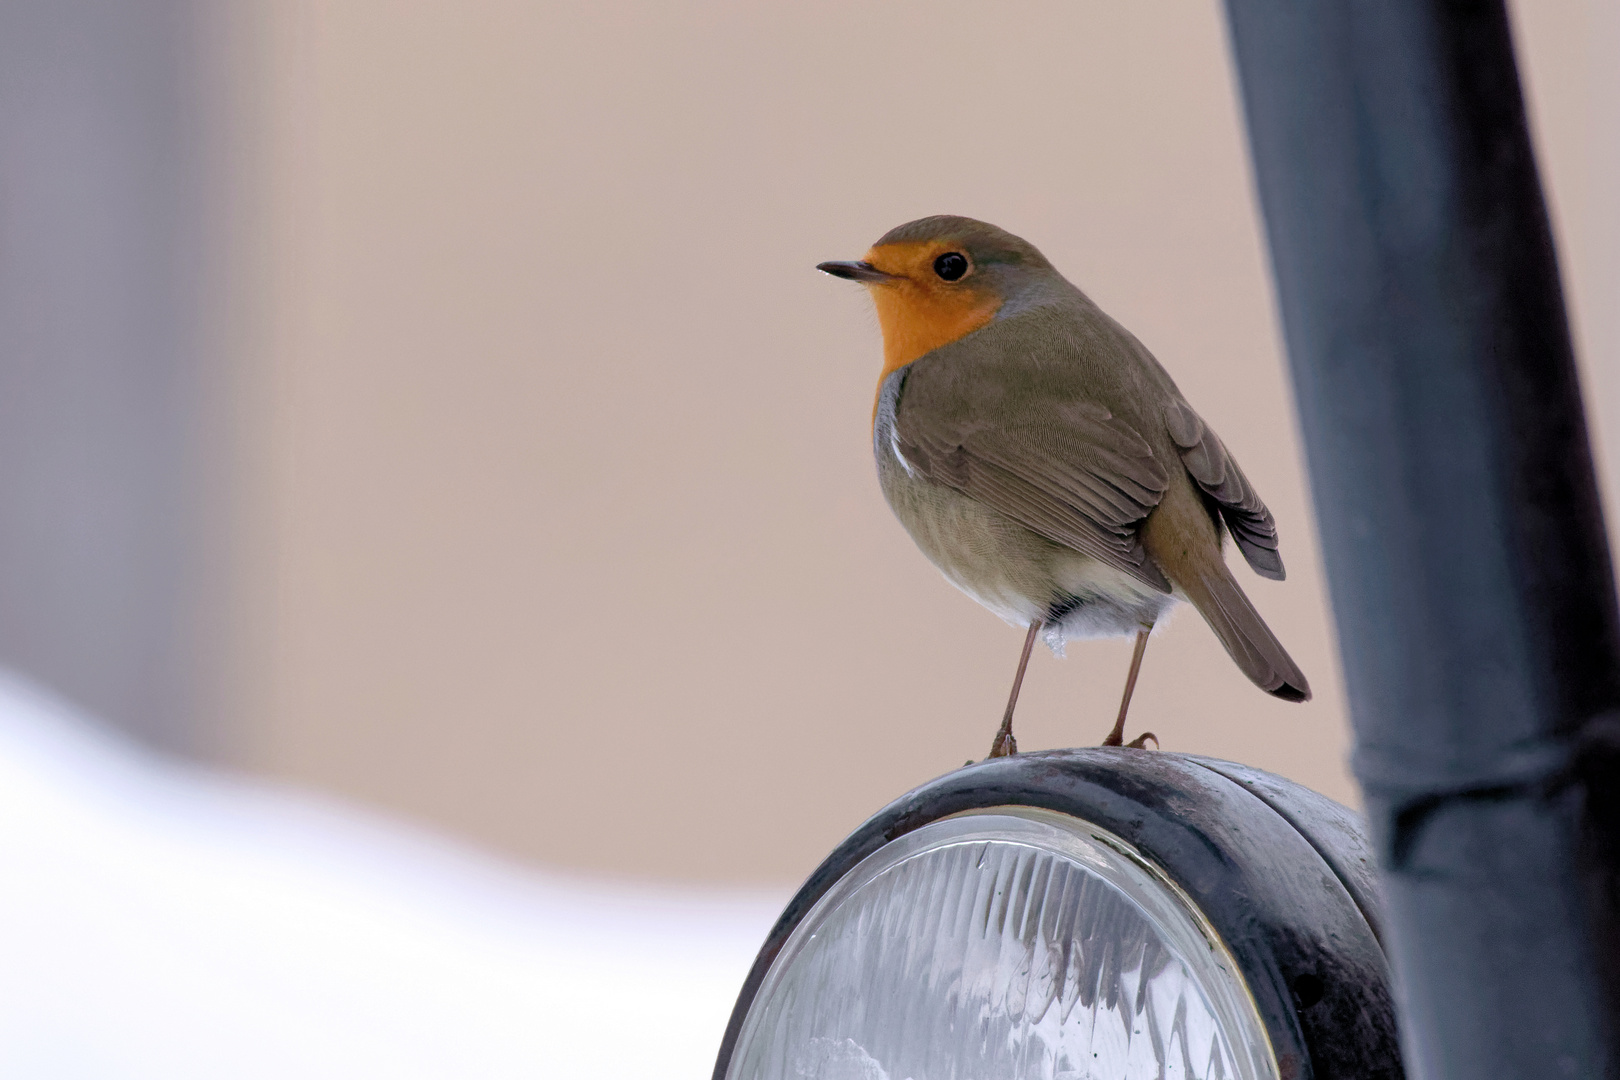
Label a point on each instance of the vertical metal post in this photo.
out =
(1460, 520)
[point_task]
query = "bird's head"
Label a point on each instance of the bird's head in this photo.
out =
(941, 278)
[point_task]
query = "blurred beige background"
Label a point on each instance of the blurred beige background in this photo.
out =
(556, 518)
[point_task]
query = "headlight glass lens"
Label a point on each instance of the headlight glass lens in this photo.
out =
(1003, 945)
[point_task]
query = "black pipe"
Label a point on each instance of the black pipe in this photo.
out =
(1459, 512)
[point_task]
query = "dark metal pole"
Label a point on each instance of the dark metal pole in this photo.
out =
(1459, 513)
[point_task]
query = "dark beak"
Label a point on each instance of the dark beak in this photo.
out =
(863, 272)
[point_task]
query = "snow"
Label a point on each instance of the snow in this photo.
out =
(162, 921)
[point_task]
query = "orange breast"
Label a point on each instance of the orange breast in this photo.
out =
(919, 313)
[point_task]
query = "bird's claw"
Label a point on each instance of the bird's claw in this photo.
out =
(1004, 746)
(1140, 742)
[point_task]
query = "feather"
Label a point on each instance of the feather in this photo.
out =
(1216, 472)
(1064, 468)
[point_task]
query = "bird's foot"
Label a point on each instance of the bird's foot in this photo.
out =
(1116, 737)
(1004, 746)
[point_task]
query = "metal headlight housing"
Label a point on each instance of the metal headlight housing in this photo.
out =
(1079, 914)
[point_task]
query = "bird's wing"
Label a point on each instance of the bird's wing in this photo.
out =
(1215, 470)
(1063, 468)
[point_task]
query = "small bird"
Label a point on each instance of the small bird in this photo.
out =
(1045, 462)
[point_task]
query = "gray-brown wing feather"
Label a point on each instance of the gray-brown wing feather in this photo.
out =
(1067, 470)
(1217, 473)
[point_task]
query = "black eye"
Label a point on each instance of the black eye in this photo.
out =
(951, 265)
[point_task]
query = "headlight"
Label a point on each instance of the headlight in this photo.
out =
(1022, 941)
(1079, 914)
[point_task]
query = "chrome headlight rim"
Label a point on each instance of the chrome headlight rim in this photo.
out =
(1280, 873)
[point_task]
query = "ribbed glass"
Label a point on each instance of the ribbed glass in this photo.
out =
(1001, 946)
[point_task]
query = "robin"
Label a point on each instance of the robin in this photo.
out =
(1046, 463)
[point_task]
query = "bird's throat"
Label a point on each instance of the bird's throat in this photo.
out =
(914, 323)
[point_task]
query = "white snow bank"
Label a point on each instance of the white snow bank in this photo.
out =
(163, 922)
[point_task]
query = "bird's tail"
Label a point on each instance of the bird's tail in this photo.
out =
(1220, 600)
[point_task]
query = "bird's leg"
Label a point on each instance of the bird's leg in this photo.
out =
(1116, 737)
(1004, 743)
